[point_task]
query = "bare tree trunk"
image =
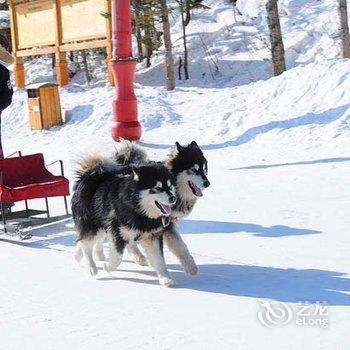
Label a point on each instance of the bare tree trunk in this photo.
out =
(344, 28)
(149, 33)
(148, 45)
(185, 64)
(169, 61)
(277, 48)
(137, 10)
(86, 67)
(180, 68)
(139, 44)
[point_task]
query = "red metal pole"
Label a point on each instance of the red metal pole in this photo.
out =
(125, 123)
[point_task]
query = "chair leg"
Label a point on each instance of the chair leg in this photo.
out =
(65, 204)
(3, 216)
(47, 207)
(27, 208)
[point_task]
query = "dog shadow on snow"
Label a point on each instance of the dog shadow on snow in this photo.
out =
(60, 237)
(285, 285)
(203, 226)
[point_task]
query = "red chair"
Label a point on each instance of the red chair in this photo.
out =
(26, 177)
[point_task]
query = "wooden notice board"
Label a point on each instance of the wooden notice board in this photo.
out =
(82, 22)
(41, 27)
(35, 24)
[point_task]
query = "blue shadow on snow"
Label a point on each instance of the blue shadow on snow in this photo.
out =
(325, 117)
(286, 285)
(202, 226)
(306, 162)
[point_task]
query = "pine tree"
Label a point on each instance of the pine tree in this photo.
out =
(146, 16)
(137, 21)
(190, 5)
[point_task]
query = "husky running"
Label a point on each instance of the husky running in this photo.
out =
(129, 204)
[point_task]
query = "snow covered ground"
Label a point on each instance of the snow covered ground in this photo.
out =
(273, 226)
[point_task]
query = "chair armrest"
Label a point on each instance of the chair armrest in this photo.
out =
(19, 153)
(57, 161)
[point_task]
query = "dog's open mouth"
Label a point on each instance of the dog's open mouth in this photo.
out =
(195, 189)
(165, 209)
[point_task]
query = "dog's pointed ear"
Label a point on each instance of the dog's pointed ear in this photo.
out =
(178, 146)
(136, 176)
(194, 143)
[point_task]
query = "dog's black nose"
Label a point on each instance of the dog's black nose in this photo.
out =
(172, 199)
(206, 183)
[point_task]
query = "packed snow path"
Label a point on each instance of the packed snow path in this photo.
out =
(272, 231)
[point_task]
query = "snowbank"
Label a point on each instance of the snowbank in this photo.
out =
(305, 110)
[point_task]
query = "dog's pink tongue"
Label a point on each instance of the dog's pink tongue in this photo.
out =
(198, 191)
(167, 208)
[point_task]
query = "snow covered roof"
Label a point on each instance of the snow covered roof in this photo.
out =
(39, 85)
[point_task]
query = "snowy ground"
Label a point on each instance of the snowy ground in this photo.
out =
(279, 233)
(273, 225)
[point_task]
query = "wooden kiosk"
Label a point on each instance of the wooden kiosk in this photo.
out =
(40, 27)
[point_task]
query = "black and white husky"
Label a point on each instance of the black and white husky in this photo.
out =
(189, 168)
(128, 204)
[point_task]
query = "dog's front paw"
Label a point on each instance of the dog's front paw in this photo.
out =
(190, 266)
(166, 282)
(78, 255)
(108, 267)
(93, 270)
(99, 256)
(139, 260)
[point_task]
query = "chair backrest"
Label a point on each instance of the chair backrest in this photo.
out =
(20, 171)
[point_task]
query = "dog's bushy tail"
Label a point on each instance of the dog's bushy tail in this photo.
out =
(92, 164)
(90, 173)
(128, 153)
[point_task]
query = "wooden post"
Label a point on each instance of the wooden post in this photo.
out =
(18, 66)
(62, 69)
(61, 61)
(19, 73)
(110, 68)
(109, 57)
